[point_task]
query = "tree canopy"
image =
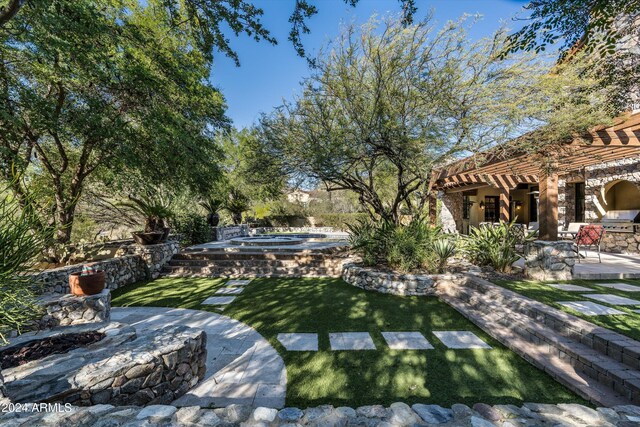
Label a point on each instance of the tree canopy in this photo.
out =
(388, 103)
(607, 29)
(95, 85)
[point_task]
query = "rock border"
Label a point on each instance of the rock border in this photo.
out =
(397, 414)
(372, 279)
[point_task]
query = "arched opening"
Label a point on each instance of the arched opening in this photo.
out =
(621, 195)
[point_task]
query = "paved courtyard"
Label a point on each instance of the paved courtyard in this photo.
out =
(242, 367)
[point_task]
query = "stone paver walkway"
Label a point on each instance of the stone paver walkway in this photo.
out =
(589, 308)
(612, 299)
(351, 341)
(568, 287)
(229, 291)
(299, 341)
(242, 367)
(621, 286)
(218, 300)
(460, 339)
(406, 341)
(238, 282)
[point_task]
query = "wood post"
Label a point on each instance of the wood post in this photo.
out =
(504, 204)
(433, 209)
(548, 206)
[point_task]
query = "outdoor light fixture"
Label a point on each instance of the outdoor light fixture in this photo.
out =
(481, 205)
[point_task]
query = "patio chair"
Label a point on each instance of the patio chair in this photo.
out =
(589, 235)
(572, 230)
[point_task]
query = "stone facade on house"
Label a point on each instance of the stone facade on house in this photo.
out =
(132, 264)
(451, 211)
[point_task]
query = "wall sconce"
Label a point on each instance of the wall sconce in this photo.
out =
(481, 205)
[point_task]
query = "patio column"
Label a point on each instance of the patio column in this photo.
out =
(504, 204)
(433, 209)
(548, 205)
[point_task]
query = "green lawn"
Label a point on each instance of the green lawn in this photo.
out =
(440, 376)
(627, 324)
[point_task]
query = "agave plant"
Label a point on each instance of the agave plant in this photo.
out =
(443, 248)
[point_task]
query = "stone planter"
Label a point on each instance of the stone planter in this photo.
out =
(67, 310)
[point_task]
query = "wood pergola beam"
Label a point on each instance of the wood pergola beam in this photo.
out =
(495, 180)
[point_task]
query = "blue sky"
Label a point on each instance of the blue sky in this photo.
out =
(268, 74)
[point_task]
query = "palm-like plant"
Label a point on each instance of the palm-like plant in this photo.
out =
(236, 204)
(154, 207)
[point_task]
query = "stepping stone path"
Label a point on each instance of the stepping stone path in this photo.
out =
(460, 339)
(351, 341)
(620, 286)
(218, 300)
(568, 287)
(299, 341)
(406, 341)
(229, 291)
(589, 308)
(238, 282)
(612, 299)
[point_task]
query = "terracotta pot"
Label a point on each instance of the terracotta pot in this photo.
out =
(87, 285)
(152, 238)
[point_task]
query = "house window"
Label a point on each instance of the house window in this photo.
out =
(579, 186)
(491, 208)
(466, 207)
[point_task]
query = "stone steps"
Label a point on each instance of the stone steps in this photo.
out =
(552, 346)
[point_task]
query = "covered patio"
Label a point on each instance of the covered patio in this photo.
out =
(594, 179)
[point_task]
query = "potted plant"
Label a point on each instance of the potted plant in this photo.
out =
(89, 281)
(212, 206)
(155, 210)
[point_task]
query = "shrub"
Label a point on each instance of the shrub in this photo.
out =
(22, 239)
(492, 245)
(193, 228)
(402, 247)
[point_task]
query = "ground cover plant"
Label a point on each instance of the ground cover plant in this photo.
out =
(627, 324)
(441, 376)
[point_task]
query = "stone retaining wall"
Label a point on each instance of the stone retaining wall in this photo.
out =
(397, 414)
(132, 264)
(154, 256)
(301, 230)
(66, 310)
(219, 234)
(394, 283)
(550, 260)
